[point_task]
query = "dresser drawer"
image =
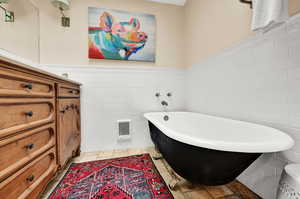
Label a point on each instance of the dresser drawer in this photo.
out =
(15, 84)
(68, 91)
(16, 151)
(38, 190)
(26, 180)
(21, 114)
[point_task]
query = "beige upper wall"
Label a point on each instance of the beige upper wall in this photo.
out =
(294, 7)
(22, 36)
(185, 35)
(61, 45)
(212, 25)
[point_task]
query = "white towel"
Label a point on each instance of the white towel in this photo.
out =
(268, 14)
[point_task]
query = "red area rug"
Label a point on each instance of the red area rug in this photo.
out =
(133, 177)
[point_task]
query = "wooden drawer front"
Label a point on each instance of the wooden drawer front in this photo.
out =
(68, 91)
(38, 190)
(24, 85)
(20, 114)
(26, 180)
(20, 149)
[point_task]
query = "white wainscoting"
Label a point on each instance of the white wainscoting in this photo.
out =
(115, 93)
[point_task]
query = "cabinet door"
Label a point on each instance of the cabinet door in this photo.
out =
(68, 129)
(77, 125)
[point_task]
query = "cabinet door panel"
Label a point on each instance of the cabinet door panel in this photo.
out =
(68, 129)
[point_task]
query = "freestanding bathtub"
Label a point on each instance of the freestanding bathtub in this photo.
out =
(211, 150)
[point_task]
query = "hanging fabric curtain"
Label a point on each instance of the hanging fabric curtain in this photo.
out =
(268, 14)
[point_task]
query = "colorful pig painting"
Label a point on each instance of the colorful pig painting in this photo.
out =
(116, 38)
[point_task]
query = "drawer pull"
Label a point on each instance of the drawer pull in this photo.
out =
(28, 86)
(29, 146)
(71, 91)
(52, 156)
(77, 135)
(29, 113)
(30, 178)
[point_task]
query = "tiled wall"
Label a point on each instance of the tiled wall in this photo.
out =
(113, 93)
(257, 81)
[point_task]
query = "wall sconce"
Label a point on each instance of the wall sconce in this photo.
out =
(247, 2)
(9, 16)
(62, 5)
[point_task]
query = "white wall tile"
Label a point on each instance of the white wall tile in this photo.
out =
(257, 81)
(111, 94)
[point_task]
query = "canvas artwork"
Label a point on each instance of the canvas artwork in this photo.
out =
(121, 35)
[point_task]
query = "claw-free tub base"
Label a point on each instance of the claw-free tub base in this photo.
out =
(200, 165)
(203, 165)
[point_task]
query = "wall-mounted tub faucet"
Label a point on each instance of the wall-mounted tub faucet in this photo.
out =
(164, 103)
(166, 117)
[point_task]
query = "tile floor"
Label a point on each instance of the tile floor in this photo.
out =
(234, 190)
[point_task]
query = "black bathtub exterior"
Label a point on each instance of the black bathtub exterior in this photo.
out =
(201, 165)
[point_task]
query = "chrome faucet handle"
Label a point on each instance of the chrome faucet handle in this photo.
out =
(169, 94)
(166, 117)
(157, 94)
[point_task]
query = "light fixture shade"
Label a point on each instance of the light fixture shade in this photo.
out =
(4, 1)
(175, 2)
(63, 4)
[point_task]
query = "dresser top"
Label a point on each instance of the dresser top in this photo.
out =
(34, 68)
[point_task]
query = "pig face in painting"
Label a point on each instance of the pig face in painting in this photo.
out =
(118, 40)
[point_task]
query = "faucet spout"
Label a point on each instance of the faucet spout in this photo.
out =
(164, 103)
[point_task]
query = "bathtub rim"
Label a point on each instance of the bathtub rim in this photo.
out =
(224, 146)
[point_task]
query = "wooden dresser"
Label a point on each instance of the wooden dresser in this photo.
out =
(39, 128)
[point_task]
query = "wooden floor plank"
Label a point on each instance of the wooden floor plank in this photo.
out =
(231, 197)
(218, 191)
(239, 188)
(201, 194)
